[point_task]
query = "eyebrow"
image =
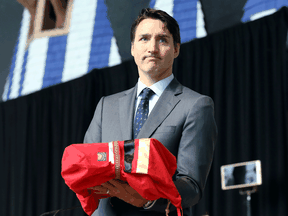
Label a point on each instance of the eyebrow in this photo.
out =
(160, 35)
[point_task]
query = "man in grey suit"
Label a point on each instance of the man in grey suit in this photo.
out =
(180, 118)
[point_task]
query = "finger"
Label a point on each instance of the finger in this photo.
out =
(114, 190)
(108, 185)
(123, 186)
(111, 187)
(100, 190)
(96, 187)
(119, 185)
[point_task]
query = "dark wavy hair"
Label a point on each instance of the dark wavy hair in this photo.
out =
(170, 23)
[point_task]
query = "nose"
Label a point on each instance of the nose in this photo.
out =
(153, 46)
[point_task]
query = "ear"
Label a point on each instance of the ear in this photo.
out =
(176, 50)
(132, 48)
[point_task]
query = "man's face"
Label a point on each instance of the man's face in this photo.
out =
(153, 48)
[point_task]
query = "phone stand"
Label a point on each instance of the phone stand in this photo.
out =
(248, 193)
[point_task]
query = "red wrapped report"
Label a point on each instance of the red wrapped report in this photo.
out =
(145, 164)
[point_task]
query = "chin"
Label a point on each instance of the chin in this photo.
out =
(152, 71)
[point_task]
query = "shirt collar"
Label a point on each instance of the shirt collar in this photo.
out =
(158, 87)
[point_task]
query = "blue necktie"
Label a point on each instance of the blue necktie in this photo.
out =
(142, 111)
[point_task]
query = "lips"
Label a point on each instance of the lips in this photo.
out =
(151, 57)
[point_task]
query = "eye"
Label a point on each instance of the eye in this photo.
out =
(143, 39)
(163, 40)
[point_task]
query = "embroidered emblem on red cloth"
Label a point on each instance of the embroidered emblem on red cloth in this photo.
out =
(101, 156)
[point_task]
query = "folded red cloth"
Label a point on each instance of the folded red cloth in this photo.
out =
(145, 164)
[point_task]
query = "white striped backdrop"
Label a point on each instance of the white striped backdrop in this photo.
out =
(30, 70)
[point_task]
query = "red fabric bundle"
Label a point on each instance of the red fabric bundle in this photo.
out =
(145, 164)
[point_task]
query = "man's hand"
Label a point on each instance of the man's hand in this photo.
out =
(122, 190)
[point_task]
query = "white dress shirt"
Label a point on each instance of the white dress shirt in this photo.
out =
(158, 88)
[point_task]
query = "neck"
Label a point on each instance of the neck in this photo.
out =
(149, 80)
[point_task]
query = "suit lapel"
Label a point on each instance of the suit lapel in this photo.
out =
(163, 107)
(126, 112)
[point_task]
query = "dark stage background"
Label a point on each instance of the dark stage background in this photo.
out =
(242, 68)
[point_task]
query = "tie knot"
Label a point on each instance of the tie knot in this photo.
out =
(146, 93)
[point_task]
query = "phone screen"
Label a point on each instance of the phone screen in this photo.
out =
(246, 174)
(240, 175)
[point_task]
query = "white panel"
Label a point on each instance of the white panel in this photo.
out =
(200, 23)
(114, 57)
(6, 88)
(262, 14)
(143, 156)
(20, 55)
(165, 5)
(111, 152)
(79, 39)
(35, 67)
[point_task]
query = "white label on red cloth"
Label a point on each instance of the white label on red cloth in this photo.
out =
(111, 153)
(143, 156)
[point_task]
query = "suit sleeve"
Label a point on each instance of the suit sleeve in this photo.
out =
(195, 154)
(94, 131)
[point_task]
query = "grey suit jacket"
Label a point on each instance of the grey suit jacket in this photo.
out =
(182, 120)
